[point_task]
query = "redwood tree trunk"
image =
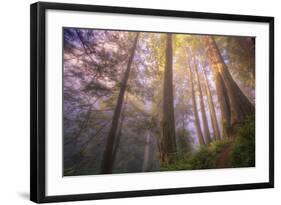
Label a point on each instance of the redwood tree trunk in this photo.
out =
(168, 121)
(107, 161)
(240, 105)
(119, 131)
(220, 88)
(195, 111)
(214, 119)
(146, 152)
(203, 111)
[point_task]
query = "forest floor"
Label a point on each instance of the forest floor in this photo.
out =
(223, 160)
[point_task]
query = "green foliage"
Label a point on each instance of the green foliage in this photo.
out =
(227, 129)
(184, 141)
(243, 151)
(204, 158)
(242, 154)
(218, 146)
(69, 171)
(178, 163)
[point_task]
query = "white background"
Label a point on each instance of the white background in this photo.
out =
(14, 103)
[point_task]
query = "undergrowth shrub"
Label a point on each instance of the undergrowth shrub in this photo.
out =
(204, 158)
(243, 151)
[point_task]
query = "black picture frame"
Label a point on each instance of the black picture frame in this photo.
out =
(38, 100)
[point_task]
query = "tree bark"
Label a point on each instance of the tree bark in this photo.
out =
(195, 111)
(146, 152)
(217, 135)
(107, 160)
(240, 106)
(248, 45)
(221, 90)
(203, 111)
(168, 121)
(119, 132)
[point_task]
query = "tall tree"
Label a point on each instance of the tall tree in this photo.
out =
(202, 106)
(168, 121)
(221, 90)
(214, 119)
(119, 132)
(146, 152)
(240, 106)
(248, 45)
(195, 110)
(107, 161)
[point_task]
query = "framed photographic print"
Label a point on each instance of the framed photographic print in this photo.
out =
(129, 102)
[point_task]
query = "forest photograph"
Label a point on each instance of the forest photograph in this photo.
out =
(138, 101)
